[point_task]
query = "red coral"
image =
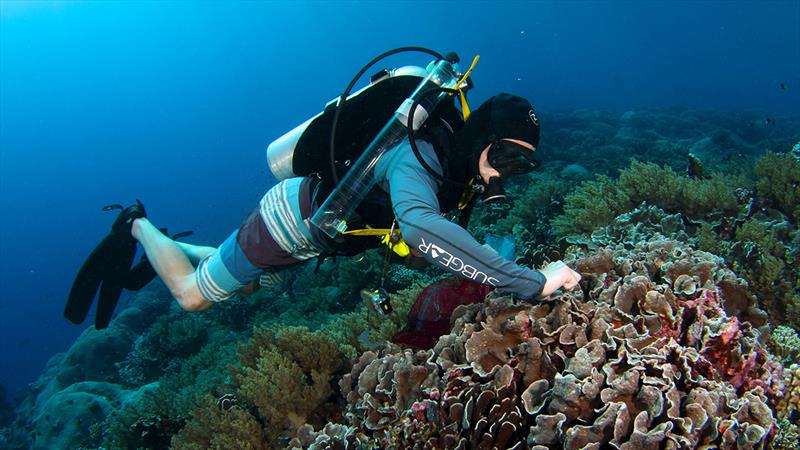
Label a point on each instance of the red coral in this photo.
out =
(666, 329)
(418, 411)
(730, 331)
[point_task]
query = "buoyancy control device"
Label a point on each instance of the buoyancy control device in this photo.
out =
(371, 121)
(398, 102)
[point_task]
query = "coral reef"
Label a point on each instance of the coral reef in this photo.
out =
(659, 354)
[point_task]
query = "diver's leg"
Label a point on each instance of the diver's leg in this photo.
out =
(171, 264)
(195, 253)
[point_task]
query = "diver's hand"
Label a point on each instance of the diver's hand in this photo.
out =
(558, 275)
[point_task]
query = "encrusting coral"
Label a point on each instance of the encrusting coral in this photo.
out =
(658, 351)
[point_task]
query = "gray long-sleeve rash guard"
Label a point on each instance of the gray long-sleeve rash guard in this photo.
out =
(444, 243)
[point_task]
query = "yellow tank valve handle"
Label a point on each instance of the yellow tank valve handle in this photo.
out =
(465, 111)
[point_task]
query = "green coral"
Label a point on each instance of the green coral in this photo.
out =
(758, 255)
(708, 241)
(787, 436)
(676, 193)
(186, 383)
(785, 344)
(596, 203)
(779, 183)
(282, 380)
(221, 429)
(176, 337)
(287, 373)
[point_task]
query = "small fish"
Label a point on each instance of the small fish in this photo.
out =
(783, 86)
(769, 121)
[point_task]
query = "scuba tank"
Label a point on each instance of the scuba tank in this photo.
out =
(288, 156)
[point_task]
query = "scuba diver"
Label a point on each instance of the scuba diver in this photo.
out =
(446, 165)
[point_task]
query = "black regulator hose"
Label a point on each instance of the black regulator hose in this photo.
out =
(346, 93)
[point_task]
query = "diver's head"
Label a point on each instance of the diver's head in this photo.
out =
(501, 137)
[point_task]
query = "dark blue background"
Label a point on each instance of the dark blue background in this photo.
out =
(174, 103)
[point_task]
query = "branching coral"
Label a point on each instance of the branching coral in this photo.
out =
(761, 257)
(173, 397)
(164, 341)
(363, 329)
(534, 205)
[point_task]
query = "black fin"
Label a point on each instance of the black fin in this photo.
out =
(124, 250)
(87, 282)
(109, 296)
(105, 269)
(141, 274)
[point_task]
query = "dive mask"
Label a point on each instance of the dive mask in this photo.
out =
(510, 158)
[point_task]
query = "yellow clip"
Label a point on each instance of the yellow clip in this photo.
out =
(369, 232)
(466, 196)
(391, 238)
(395, 242)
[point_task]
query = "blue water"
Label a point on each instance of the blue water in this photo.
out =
(174, 103)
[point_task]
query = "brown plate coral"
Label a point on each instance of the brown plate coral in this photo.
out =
(659, 350)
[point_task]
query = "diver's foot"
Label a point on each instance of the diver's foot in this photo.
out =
(136, 227)
(124, 221)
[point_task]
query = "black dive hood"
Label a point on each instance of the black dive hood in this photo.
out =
(504, 116)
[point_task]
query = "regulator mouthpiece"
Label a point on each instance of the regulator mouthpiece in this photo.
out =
(494, 191)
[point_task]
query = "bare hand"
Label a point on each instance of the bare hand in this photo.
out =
(558, 275)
